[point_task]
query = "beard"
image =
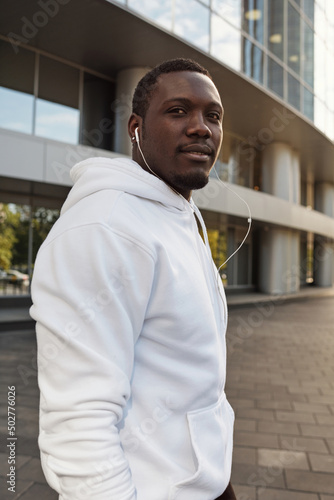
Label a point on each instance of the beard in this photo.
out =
(189, 182)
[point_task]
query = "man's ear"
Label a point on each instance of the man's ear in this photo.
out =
(135, 121)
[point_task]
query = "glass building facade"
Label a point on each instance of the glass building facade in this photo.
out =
(286, 46)
(65, 98)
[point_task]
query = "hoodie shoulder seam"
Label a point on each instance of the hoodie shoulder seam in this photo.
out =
(109, 229)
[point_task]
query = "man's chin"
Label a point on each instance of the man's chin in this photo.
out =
(191, 182)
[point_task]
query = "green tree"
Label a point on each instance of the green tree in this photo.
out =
(9, 223)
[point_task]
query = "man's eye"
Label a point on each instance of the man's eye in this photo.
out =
(214, 115)
(177, 111)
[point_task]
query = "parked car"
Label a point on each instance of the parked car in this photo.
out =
(16, 277)
(3, 274)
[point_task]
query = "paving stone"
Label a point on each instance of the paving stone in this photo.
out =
(275, 405)
(278, 428)
(256, 439)
(243, 424)
(244, 492)
(259, 477)
(325, 431)
(255, 413)
(307, 444)
(311, 408)
(330, 443)
(271, 494)
(322, 463)
(32, 471)
(284, 459)
(290, 416)
(313, 391)
(20, 487)
(237, 403)
(39, 491)
(315, 482)
(325, 419)
(242, 455)
(326, 497)
(19, 462)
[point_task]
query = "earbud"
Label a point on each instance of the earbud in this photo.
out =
(137, 135)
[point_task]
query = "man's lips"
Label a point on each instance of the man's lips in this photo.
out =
(197, 151)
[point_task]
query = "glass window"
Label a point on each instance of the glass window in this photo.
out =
(229, 10)
(252, 61)
(253, 20)
(275, 77)
(309, 9)
(192, 23)
(293, 91)
(275, 27)
(308, 107)
(235, 162)
(293, 39)
(308, 54)
(225, 42)
(17, 69)
(16, 110)
(99, 106)
(160, 11)
(58, 82)
(56, 121)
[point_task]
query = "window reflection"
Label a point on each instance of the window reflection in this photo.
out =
(16, 110)
(308, 106)
(159, 11)
(192, 23)
(293, 39)
(229, 10)
(275, 27)
(56, 121)
(275, 77)
(308, 66)
(309, 9)
(252, 61)
(235, 162)
(225, 42)
(293, 91)
(253, 20)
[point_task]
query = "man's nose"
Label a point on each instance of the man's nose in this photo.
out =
(197, 126)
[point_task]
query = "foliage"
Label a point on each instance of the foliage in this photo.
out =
(14, 233)
(8, 225)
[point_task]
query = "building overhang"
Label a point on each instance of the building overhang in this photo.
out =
(106, 38)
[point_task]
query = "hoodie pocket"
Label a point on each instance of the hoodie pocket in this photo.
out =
(211, 434)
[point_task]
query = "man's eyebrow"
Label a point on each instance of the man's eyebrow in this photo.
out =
(185, 100)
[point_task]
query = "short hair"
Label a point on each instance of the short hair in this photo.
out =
(146, 86)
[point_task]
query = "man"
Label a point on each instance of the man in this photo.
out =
(131, 314)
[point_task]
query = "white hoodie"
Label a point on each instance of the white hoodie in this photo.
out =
(131, 319)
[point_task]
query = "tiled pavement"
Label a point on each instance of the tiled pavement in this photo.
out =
(280, 383)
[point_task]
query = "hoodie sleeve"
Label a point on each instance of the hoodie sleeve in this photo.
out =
(90, 291)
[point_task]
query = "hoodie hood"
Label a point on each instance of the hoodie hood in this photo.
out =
(121, 174)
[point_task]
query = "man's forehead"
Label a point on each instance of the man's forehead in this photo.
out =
(183, 83)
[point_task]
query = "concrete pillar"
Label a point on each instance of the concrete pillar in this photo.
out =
(323, 260)
(296, 178)
(277, 177)
(279, 261)
(324, 198)
(127, 80)
(280, 249)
